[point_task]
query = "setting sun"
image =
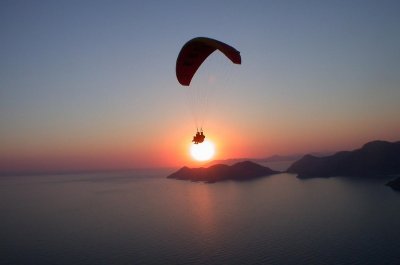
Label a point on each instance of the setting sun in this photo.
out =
(202, 152)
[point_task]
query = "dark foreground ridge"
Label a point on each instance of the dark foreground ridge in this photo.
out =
(394, 184)
(241, 171)
(374, 159)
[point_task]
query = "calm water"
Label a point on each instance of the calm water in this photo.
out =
(141, 218)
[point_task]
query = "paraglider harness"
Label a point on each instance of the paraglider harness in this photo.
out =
(199, 137)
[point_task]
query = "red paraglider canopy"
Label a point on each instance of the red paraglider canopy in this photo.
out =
(195, 51)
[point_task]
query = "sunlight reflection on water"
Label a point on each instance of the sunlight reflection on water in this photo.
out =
(142, 218)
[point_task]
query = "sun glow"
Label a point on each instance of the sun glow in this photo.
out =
(203, 151)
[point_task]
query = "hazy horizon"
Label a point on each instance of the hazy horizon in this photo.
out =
(287, 160)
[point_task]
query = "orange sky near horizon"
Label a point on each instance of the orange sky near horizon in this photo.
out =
(172, 148)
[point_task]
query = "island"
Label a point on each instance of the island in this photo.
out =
(241, 171)
(394, 184)
(374, 159)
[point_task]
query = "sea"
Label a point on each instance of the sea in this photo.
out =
(140, 217)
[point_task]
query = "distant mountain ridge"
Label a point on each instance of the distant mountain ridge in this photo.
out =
(372, 159)
(241, 171)
(394, 184)
(273, 158)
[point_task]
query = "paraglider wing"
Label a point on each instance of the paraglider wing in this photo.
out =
(195, 51)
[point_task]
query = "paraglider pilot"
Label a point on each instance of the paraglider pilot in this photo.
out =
(199, 137)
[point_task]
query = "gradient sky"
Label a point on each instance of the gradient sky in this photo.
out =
(91, 84)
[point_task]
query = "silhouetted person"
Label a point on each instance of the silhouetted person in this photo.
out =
(198, 138)
(201, 137)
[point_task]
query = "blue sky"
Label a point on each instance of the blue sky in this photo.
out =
(99, 75)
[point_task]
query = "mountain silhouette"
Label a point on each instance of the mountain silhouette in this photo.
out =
(375, 158)
(241, 171)
(394, 184)
(272, 158)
